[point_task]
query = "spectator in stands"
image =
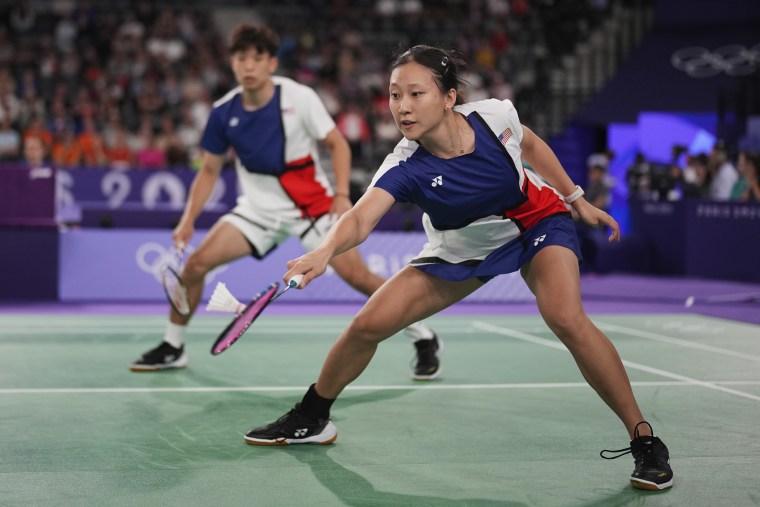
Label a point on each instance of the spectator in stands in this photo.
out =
(598, 195)
(92, 145)
(697, 184)
(638, 178)
(352, 123)
(169, 141)
(188, 133)
(747, 188)
(35, 152)
(118, 151)
(10, 140)
(724, 174)
(31, 104)
(597, 189)
(10, 105)
(66, 150)
(152, 154)
(36, 128)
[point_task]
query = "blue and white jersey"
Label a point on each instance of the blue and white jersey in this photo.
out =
(277, 160)
(477, 202)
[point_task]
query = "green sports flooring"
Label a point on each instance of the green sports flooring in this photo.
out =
(510, 421)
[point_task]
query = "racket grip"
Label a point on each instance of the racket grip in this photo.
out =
(295, 281)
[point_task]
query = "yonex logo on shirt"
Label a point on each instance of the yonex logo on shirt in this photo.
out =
(539, 239)
(234, 121)
(438, 180)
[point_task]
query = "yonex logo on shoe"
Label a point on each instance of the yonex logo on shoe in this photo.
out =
(301, 432)
(438, 180)
(539, 239)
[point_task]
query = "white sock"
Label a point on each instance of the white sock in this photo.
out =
(175, 334)
(419, 331)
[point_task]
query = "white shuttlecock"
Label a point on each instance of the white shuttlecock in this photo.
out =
(222, 300)
(689, 302)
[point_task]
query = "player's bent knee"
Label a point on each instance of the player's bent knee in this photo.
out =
(565, 325)
(363, 330)
(196, 268)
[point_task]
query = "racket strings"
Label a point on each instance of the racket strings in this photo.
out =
(175, 289)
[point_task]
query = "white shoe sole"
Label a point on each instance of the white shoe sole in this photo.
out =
(650, 486)
(325, 437)
(179, 363)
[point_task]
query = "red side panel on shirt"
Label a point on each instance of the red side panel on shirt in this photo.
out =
(307, 193)
(541, 203)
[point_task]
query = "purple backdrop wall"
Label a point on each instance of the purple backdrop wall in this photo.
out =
(124, 265)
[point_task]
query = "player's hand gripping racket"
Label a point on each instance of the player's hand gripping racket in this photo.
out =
(223, 301)
(175, 290)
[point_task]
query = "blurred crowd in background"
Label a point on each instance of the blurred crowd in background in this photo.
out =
(129, 84)
(719, 175)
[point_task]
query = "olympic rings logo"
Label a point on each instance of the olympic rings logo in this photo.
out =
(734, 60)
(151, 257)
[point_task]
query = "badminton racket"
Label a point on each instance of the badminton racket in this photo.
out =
(175, 290)
(222, 300)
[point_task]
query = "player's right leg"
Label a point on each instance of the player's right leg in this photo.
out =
(224, 243)
(554, 278)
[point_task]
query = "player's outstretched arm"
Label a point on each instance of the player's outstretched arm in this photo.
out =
(351, 230)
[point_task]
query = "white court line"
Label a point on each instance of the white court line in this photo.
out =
(675, 341)
(120, 330)
(629, 364)
(158, 330)
(272, 389)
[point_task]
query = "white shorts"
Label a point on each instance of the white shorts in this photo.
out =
(265, 233)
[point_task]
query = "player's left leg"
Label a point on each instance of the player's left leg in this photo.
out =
(428, 346)
(354, 271)
(554, 278)
(407, 297)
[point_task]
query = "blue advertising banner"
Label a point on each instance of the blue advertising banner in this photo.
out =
(125, 265)
(701, 238)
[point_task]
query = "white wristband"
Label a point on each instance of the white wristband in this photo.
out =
(569, 199)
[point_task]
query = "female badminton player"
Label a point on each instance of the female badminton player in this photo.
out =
(485, 215)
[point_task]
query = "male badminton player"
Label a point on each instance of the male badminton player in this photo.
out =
(273, 124)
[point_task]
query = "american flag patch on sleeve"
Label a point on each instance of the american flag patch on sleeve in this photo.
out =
(504, 136)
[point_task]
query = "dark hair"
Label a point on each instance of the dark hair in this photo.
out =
(445, 65)
(262, 38)
(753, 158)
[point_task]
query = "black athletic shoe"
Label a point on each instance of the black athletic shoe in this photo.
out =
(163, 357)
(652, 461)
(428, 365)
(295, 427)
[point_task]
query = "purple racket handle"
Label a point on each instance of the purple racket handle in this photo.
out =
(242, 322)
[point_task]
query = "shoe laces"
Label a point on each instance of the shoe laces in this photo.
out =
(295, 417)
(641, 450)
